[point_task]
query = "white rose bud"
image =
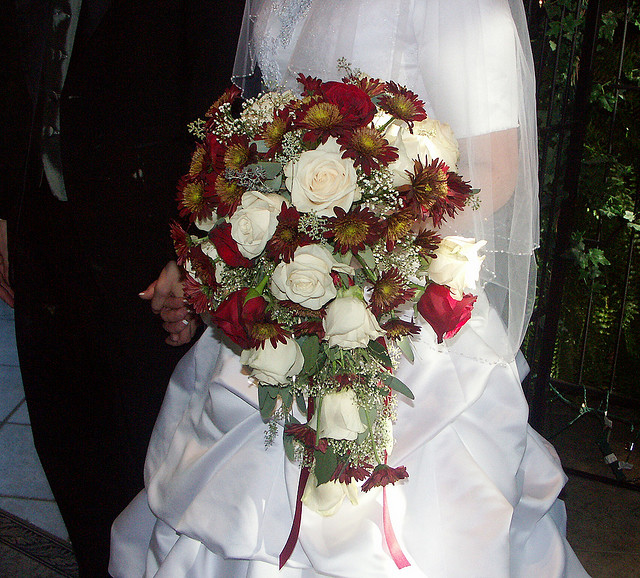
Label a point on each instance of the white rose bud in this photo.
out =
(350, 324)
(254, 221)
(326, 499)
(274, 365)
(430, 139)
(307, 278)
(339, 416)
(321, 180)
(457, 264)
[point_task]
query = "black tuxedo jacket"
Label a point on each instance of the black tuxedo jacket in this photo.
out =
(140, 71)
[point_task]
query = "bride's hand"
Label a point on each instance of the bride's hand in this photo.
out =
(167, 300)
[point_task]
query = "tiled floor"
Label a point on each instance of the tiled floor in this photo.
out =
(24, 490)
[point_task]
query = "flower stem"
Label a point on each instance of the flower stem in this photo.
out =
(373, 443)
(366, 269)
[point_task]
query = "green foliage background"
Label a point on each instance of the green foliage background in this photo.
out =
(607, 219)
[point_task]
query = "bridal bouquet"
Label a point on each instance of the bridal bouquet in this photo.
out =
(312, 243)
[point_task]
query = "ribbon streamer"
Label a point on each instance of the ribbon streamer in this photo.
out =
(390, 537)
(297, 518)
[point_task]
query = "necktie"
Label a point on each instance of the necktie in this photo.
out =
(63, 29)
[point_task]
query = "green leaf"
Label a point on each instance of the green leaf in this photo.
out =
(395, 384)
(326, 465)
(267, 398)
(405, 346)
(380, 352)
(302, 404)
(271, 170)
(367, 257)
(310, 349)
(289, 447)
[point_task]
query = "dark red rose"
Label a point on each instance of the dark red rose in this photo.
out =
(354, 103)
(444, 313)
(227, 247)
(235, 316)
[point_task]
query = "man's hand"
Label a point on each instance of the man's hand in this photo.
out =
(167, 300)
(6, 292)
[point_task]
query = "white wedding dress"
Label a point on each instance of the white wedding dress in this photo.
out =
(481, 499)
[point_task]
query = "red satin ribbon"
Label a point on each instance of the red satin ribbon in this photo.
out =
(389, 535)
(297, 518)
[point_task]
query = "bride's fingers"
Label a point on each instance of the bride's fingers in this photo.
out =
(182, 331)
(175, 315)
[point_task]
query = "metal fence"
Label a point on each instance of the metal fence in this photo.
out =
(583, 344)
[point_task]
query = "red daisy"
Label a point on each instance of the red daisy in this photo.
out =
(353, 230)
(311, 86)
(397, 226)
(306, 435)
(273, 132)
(368, 148)
(310, 327)
(427, 242)
(458, 193)
(403, 104)
(240, 153)
(320, 119)
(346, 472)
(389, 292)
(195, 199)
(428, 185)
(286, 238)
(383, 474)
(228, 196)
(230, 95)
(397, 328)
(180, 241)
(197, 295)
(370, 86)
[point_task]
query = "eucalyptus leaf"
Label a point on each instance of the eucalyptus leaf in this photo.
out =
(380, 352)
(405, 346)
(271, 170)
(326, 464)
(289, 447)
(395, 384)
(367, 257)
(302, 404)
(310, 348)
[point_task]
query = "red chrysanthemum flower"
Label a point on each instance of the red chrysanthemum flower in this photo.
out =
(427, 242)
(195, 199)
(389, 292)
(203, 266)
(300, 310)
(427, 186)
(311, 327)
(458, 193)
(321, 120)
(370, 86)
(228, 196)
(266, 328)
(240, 153)
(230, 95)
(214, 161)
(368, 148)
(311, 85)
(180, 241)
(346, 472)
(403, 104)
(273, 132)
(306, 435)
(397, 226)
(383, 474)
(198, 296)
(199, 161)
(353, 230)
(286, 238)
(397, 328)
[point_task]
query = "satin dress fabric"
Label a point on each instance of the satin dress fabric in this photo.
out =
(480, 500)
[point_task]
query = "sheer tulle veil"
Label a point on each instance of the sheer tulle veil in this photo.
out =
(470, 61)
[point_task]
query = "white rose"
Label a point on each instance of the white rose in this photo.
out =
(307, 279)
(321, 180)
(255, 221)
(430, 139)
(209, 249)
(326, 499)
(206, 224)
(457, 264)
(350, 324)
(274, 365)
(339, 416)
